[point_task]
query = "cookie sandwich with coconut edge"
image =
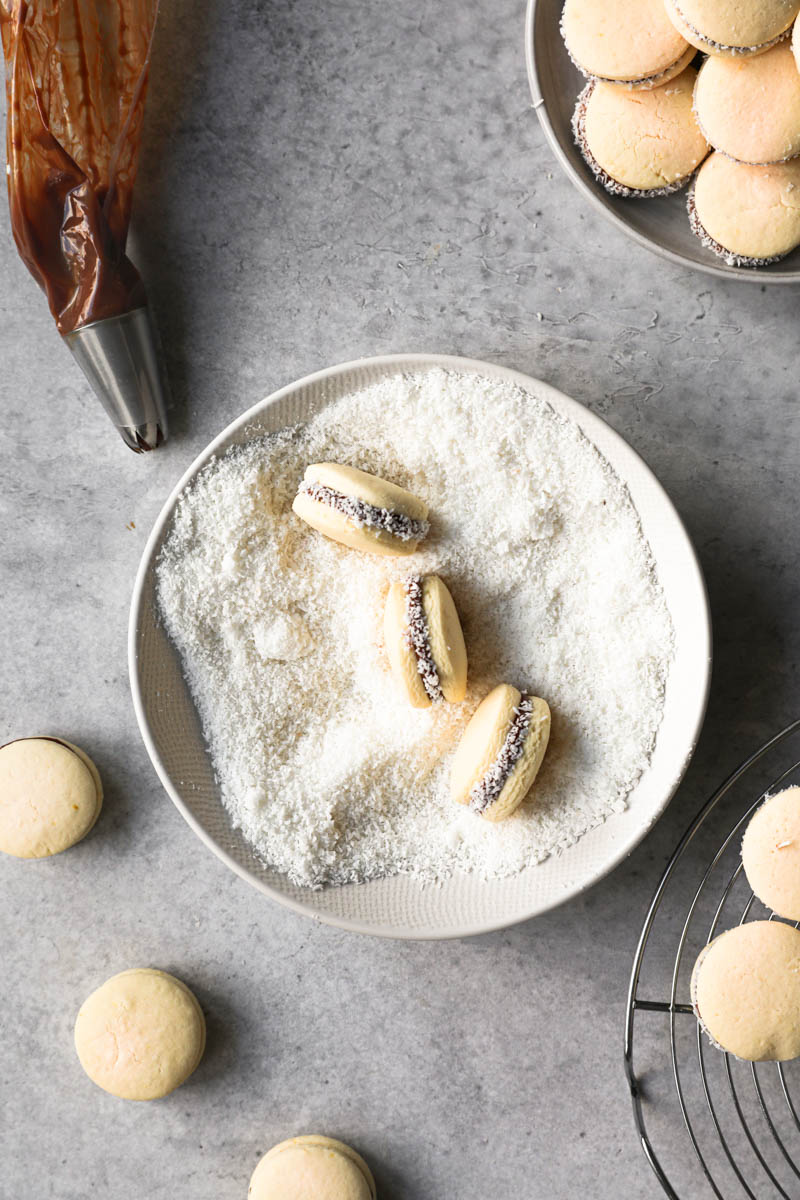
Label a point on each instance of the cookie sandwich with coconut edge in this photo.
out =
(424, 641)
(500, 752)
(628, 43)
(730, 27)
(749, 108)
(360, 510)
(748, 215)
(640, 144)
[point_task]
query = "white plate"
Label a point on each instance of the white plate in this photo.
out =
(399, 906)
(661, 224)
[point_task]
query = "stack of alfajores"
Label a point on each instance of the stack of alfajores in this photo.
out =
(649, 117)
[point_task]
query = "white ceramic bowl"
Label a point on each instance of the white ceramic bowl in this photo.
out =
(660, 224)
(400, 907)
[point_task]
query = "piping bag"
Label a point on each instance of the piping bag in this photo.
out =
(76, 79)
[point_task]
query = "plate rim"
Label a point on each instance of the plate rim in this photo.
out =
(579, 413)
(590, 190)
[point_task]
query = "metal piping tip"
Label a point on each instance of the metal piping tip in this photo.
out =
(142, 438)
(119, 357)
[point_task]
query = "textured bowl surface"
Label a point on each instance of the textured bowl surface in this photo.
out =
(399, 906)
(660, 224)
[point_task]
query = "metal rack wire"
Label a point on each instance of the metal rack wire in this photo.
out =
(708, 1124)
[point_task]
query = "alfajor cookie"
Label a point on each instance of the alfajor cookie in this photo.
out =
(500, 752)
(771, 853)
(424, 641)
(312, 1168)
(50, 796)
(140, 1035)
(731, 27)
(628, 42)
(640, 144)
(748, 215)
(749, 108)
(360, 510)
(746, 991)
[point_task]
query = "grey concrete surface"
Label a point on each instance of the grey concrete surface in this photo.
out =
(323, 181)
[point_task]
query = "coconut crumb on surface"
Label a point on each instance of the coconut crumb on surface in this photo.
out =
(329, 774)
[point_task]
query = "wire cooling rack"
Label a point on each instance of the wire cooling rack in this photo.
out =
(709, 1125)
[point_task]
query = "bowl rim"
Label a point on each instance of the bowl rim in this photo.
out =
(593, 193)
(583, 416)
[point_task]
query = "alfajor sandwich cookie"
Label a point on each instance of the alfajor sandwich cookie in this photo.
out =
(771, 853)
(424, 641)
(500, 752)
(746, 991)
(749, 108)
(312, 1167)
(748, 215)
(624, 42)
(640, 144)
(732, 27)
(360, 510)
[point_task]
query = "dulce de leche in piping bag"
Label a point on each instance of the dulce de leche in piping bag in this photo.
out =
(76, 76)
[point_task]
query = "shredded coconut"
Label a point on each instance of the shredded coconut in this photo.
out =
(324, 767)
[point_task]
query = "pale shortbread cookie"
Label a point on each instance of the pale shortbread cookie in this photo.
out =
(640, 143)
(500, 752)
(749, 108)
(360, 510)
(746, 991)
(50, 796)
(312, 1168)
(630, 42)
(771, 853)
(424, 641)
(141, 1034)
(732, 27)
(747, 215)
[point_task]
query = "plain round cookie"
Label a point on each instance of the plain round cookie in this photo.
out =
(771, 853)
(312, 1168)
(141, 1034)
(746, 991)
(747, 215)
(730, 27)
(631, 42)
(640, 144)
(750, 107)
(50, 796)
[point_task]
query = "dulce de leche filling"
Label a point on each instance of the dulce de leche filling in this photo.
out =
(369, 516)
(76, 84)
(489, 786)
(417, 639)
